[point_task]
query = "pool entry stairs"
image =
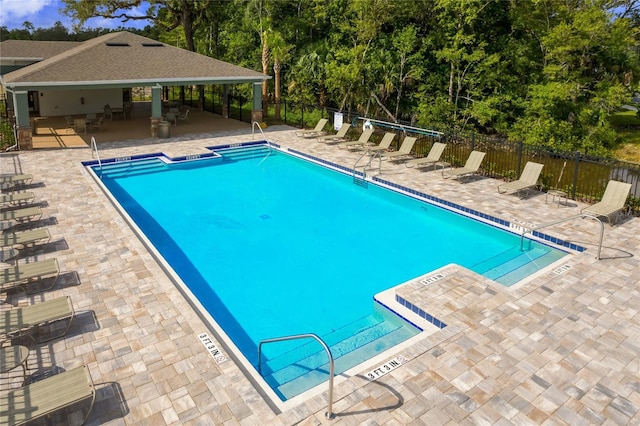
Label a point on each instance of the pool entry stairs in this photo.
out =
(299, 369)
(514, 264)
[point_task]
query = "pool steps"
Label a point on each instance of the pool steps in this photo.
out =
(300, 369)
(512, 265)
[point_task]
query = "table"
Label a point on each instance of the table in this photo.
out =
(12, 357)
(557, 194)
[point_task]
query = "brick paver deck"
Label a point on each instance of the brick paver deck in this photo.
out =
(561, 348)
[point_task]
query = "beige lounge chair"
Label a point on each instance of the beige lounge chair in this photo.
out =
(384, 144)
(47, 396)
(183, 117)
(22, 321)
(433, 157)
(362, 140)
(528, 179)
(19, 276)
(338, 137)
(17, 198)
(22, 179)
(24, 238)
(403, 151)
(471, 167)
(21, 214)
(613, 201)
(315, 132)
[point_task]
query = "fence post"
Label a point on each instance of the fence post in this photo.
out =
(519, 165)
(575, 176)
(302, 115)
(473, 141)
(285, 112)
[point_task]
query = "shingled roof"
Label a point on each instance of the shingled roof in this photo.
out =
(35, 50)
(126, 59)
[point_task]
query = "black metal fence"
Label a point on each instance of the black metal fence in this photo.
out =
(582, 177)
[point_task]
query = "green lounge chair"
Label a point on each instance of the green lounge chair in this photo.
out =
(21, 178)
(47, 396)
(21, 321)
(315, 132)
(21, 214)
(8, 181)
(23, 274)
(471, 167)
(24, 238)
(403, 151)
(433, 157)
(362, 140)
(528, 179)
(613, 201)
(338, 137)
(16, 197)
(384, 144)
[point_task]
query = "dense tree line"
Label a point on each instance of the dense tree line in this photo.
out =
(548, 72)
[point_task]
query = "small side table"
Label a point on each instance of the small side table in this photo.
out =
(557, 195)
(12, 357)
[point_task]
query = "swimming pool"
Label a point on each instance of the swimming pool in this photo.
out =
(275, 245)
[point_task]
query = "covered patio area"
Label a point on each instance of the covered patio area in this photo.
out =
(53, 133)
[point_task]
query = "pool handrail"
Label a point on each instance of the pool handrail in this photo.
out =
(94, 148)
(566, 219)
(329, 414)
(253, 125)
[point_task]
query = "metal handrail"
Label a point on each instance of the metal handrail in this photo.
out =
(94, 148)
(253, 126)
(329, 414)
(566, 219)
(402, 127)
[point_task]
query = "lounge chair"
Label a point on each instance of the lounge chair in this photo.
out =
(47, 396)
(613, 200)
(24, 238)
(21, 214)
(315, 132)
(183, 117)
(384, 144)
(21, 321)
(19, 276)
(433, 157)
(528, 179)
(470, 167)
(18, 179)
(17, 197)
(405, 149)
(338, 137)
(362, 140)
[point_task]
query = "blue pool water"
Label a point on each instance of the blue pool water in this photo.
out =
(281, 246)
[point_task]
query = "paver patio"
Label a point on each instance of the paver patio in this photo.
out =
(561, 348)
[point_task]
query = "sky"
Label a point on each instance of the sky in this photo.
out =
(44, 13)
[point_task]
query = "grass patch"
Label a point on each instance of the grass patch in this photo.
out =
(627, 125)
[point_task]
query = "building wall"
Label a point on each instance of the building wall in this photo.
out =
(72, 102)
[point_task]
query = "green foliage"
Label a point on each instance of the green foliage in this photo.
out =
(550, 73)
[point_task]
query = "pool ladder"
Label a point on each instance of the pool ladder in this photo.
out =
(329, 414)
(366, 166)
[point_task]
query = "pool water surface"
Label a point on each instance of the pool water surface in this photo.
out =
(274, 245)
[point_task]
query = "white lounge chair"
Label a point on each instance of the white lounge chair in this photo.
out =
(613, 201)
(315, 132)
(471, 167)
(528, 179)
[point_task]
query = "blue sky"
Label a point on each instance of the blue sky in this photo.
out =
(44, 13)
